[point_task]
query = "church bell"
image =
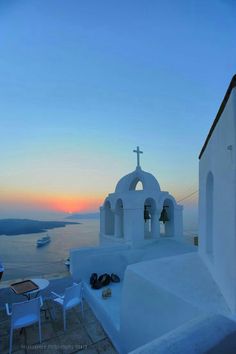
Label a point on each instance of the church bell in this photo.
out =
(164, 216)
(146, 214)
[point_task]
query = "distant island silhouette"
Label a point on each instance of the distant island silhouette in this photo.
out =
(12, 227)
(84, 216)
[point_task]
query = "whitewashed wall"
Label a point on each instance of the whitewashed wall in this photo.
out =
(217, 213)
(148, 311)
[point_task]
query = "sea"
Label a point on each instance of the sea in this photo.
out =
(23, 259)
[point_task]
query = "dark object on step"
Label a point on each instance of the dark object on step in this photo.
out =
(93, 278)
(106, 293)
(105, 279)
(97, 285)
(115, 278)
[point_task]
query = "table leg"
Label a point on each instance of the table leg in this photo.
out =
(22, 330)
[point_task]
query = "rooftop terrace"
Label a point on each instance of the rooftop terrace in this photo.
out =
(83, 334)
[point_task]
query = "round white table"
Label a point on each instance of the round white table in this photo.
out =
(42, 284)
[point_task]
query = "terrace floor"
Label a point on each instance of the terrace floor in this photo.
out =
(83, 334)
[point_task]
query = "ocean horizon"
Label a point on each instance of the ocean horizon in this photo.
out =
(22, 258)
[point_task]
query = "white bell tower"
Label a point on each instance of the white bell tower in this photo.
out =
(131, 215)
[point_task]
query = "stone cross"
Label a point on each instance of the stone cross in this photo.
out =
(138, 152)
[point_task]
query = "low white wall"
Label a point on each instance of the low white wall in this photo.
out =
(149, 311)
(107, 311)
(101, 260)
(195, 337)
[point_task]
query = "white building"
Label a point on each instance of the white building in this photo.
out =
(217, 200)
(131, 215)
(171, 298)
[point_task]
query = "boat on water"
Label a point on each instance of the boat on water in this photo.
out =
(43, 241)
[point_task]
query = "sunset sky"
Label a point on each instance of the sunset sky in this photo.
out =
(84, 82)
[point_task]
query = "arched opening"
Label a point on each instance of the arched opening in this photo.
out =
(209, 213)
(109, 219)
(167, 218)
(139, 186)
(136, 185)
(119, 219)
(150, 219)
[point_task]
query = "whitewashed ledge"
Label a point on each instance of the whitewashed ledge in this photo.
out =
(214, 334)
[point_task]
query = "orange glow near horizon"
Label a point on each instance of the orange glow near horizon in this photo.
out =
(66, 204)
(72, 205)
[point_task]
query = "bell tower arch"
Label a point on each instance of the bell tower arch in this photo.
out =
(134, 213)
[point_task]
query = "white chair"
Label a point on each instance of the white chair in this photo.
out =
(24, 314)
(72, 297)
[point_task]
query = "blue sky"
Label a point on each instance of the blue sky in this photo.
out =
(85, 82)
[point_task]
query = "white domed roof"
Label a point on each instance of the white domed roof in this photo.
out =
(129, 182)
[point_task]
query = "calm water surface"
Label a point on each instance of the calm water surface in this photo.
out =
(22, 258)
